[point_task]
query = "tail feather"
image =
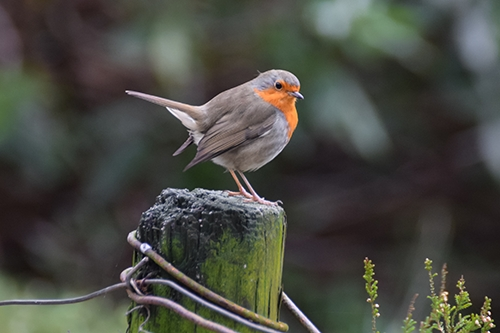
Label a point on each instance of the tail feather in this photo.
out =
(186, 144)
(189, 115)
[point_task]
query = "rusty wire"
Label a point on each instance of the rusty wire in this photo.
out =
(133, 289)
(147, 250)
(63, 301)
(298, 314)
(142, 299)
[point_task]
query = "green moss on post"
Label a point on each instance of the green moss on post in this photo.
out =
(233, 247)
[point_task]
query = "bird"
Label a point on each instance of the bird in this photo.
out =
(242, 128)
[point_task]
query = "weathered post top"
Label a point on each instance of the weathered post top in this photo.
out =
(231, 246)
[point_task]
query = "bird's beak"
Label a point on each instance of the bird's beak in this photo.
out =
(296, 94)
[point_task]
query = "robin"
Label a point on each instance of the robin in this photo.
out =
(242, 128)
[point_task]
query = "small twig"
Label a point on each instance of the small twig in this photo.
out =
(203, 291)
(180, 310)
(298, 314)
(65, 300)
(411, 307)
(444, 273)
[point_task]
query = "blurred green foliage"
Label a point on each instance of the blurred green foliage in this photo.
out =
(99, 315)
(396, 157)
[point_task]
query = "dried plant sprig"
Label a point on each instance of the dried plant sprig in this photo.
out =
(409, 323)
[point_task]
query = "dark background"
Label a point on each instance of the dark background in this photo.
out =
(396, 156)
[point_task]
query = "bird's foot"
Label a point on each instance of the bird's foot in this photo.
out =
(254, 198)
(264, 201)
(242, 193)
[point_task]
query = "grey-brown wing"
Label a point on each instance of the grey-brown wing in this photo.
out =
(224, 135)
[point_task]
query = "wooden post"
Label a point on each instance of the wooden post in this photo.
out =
(233, 247)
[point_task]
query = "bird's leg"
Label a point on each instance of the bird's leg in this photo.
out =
(255, 196)
(241, 189)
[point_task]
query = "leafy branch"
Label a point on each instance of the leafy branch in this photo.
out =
(371, 288)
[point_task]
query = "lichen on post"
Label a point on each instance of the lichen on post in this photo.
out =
(229, 245)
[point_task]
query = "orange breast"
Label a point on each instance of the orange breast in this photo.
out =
(285, 103)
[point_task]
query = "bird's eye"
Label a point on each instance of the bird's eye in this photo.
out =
(278, 85)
